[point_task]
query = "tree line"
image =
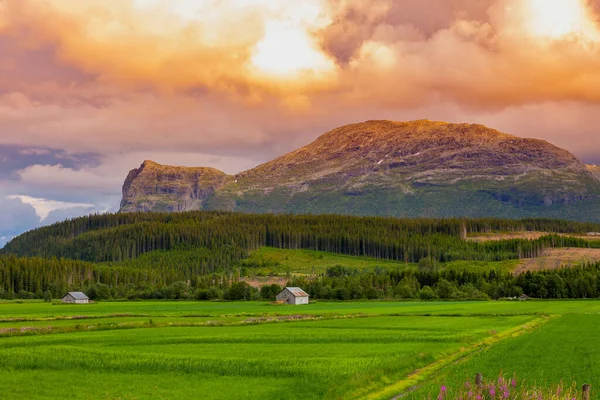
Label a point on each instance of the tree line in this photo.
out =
(30, 278)
(121, 237)
(201, 255)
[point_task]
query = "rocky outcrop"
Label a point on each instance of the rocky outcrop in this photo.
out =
(155, 187)
(419, 168)
(595, 170)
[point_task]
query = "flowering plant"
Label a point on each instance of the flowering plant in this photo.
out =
(505, 388)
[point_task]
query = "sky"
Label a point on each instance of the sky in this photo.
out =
(89, 89)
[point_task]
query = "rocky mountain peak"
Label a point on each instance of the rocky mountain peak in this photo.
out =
(156, 187)
(416, 168)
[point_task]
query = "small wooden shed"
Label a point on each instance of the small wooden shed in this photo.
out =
(293, 295)
(75, 298)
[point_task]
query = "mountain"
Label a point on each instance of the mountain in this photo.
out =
(420, 168)
(595, 170)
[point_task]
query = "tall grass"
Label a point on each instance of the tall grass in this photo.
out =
(315, 359)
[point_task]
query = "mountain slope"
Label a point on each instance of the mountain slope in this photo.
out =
(418, 168)
(595, 170)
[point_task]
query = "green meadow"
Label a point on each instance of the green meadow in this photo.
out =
(256, 350)
(269, 261)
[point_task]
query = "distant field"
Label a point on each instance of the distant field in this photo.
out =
(552, 259)
(250, 350)
(558, 258)
(497, 236)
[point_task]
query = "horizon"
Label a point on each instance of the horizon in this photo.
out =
(90, 89)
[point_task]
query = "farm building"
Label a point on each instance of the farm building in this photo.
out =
(293, 295)
(76, 298)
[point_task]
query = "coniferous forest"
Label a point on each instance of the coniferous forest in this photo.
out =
(202, 255)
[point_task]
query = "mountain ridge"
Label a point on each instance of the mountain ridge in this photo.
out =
(417, 168)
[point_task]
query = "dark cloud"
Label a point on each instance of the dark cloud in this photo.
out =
(62, 215)
(15, 218)
(14, 158)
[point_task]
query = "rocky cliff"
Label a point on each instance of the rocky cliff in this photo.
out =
(154, 187)
(418, 168)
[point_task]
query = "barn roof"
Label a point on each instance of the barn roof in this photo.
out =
(297, 292)
(78, 295)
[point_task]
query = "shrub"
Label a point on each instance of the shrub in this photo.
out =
(427, 293)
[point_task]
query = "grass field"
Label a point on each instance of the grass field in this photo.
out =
(273, 261)
(565, 349)
(254, 350)
(279, 262)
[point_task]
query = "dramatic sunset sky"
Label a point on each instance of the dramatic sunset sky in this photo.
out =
(91, 88)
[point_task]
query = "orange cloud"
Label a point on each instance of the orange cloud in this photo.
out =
(257, 49)
(218, 74)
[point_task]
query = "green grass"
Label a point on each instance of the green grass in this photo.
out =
(478, 266)
(271, 261)
(268, 261)
(311, 360)
(38, 309)
(566, 349)
(343, 351)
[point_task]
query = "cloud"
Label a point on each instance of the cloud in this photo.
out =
(43, 207)
(15, 218)
(16, 157)
(181, 76)
(67, 178)
(516, 50)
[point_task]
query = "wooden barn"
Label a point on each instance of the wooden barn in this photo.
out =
(293, 295)
(75, 298)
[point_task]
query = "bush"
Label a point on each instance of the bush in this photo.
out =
(341, 293)
(241, 291)
(446, 290)
(427, 293)
(270, 292)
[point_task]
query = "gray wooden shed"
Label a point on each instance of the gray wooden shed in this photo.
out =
(75, 298)
(293, 295)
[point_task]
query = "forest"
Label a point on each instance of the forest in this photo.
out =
(202, 255)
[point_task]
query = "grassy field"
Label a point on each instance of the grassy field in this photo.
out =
(375, 350)
(566, 349)
(269, 261)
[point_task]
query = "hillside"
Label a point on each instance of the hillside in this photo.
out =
(411, 169)
(214, 255)
(595, 170)
(118, 237)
